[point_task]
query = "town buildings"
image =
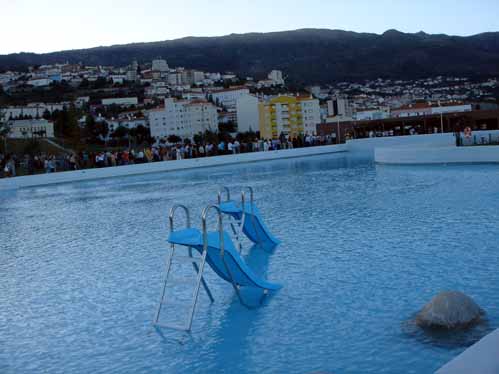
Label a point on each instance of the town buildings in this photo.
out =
(252, 105)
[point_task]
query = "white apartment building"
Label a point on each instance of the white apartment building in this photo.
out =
(175, 78)
(247, 114)
(43, 82)
(276, 77)
(118, 78)
(372, 114)
(190, 77)
(34, 110)
(122, 101)
(31, 128)
(339, 106)
(183, 118)
(228, 97)
(81, 101)
(311, 114)
(422, 109)
(160, 65)
(132, 123)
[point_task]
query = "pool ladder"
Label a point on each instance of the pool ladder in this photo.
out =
(198, 263)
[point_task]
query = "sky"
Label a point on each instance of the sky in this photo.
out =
(55, 25)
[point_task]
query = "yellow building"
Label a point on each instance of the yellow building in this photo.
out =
(289, 115)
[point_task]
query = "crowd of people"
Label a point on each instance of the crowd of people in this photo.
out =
(38, 163)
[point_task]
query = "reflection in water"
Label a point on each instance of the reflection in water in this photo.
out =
(81, 267)
(237, 321)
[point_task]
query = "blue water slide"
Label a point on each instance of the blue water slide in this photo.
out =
(238, 272)
(254, 227)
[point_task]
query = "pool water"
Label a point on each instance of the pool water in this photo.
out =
(363, 248)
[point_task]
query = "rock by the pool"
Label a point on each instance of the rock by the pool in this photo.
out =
(450, 310)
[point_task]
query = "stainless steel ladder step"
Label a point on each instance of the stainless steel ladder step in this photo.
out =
(182, 281)
(198, 264)
(172, 326)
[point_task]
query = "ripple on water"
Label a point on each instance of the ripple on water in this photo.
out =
(364, 247)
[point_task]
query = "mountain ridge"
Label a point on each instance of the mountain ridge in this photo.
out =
(306, 55)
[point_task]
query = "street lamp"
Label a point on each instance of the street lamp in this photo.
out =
(441, 117)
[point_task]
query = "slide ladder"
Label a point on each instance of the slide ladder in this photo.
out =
(246, 218)
(198, 264)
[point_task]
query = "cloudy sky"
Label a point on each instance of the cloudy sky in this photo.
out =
(53, 25)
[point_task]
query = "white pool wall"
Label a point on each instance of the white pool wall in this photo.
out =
(166, 166)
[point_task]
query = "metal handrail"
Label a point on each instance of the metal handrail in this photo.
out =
(220, 193)
(172, 215)
(220, 227)
(252, 200)
(252, 193)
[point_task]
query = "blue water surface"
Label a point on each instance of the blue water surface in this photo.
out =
(363, 248)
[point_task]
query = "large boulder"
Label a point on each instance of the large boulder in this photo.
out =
(450, 310)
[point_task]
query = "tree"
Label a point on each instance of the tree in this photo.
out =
(4, 129)
(120, 133)
(66, 124)
(174, 139)
(95, 131)
(198, 138)
(211, 137)
(46, 115)
(228, 127)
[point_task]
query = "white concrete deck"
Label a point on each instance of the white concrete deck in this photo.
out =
(481, 358)
(166, 166)
(437, 155)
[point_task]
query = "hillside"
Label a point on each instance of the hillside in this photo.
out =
(306, 55)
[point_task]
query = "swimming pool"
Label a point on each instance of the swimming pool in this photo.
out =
(364, 247)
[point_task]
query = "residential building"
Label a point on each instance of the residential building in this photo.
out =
(131, 73)
(422, 109)
(276, 77)
(228, 97)
(160, 65)
(31, 128)
(42, 82)
(372, 114)
(121, 101)
(33, 110)
(81, 101)
(289, 115)
(175, 78)
(118, 78)
(191, 77)
(183, 118)
(157, 89)
(248, 118)
(128, 123)
(339, 106)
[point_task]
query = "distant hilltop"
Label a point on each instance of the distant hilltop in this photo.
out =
(305, 55)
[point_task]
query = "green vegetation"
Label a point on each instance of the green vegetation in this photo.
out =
(306, 56)
(4, 129)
